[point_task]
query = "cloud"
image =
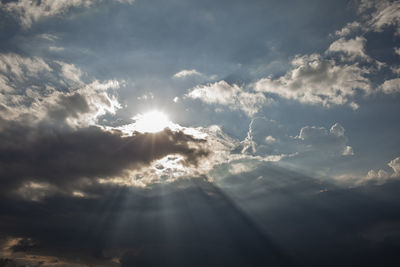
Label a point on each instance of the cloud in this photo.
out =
(52, 90)
(329, 81)
(187, 73)
(315, 80)
(387, 13)
(20, 69)
(352, 48)
(70, 71)
(52, 142)
(232, 96)
(314, 148)
(395, 165)
(31, 11)
(381, 176)
(390, 86)
(348, 29)
(318, 139)
(71, 159)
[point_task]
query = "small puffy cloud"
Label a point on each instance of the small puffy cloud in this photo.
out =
(70, 71)
(390, 86)
(56, 48)
(270, 139)
(146, 96)
(232, 96)
(315, 80)
(348, 151)
(397, 50)
(220, 92)
(265, 137)
(348, 29)
(352, 48)
(332, 142)
(381, 177)
(240, 167)
(314, 146)
(187, 73)
(395, 165)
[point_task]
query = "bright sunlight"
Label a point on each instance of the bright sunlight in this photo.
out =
(151, 122)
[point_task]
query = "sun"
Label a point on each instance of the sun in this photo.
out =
(151, 122)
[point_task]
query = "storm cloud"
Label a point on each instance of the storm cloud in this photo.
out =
(68, 157)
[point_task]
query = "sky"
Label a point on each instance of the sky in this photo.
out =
(199, 133)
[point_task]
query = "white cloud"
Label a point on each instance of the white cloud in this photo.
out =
(397, 50)
(270, 139)
(31, 88)
(348, 151)
(348, 29)
(56, 48)
(146, 96)
(22, 68)
(315, 80)
(352, 48)
(315, 148)
(381, 177)
(30, 11)
(240, 167)
(391, 86)
(320, 140)
(232, 96)
(395, 165)
(70, 71)
(187, 73)
(386, 14)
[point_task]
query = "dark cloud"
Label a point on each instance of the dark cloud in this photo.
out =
(67, 157)
(68, 106)
(281, 219)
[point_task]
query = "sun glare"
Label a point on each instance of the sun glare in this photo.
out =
(151, 122)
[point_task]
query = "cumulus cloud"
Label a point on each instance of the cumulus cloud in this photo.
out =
(328, 142)
(74, 158)
(51, 140)
(395, 165)
(390, 86)
(329, 80)
(315, 80)
(31, 11)
(380, 177)
(352, 48)
(52, 91)
(314, 147)
(348, 29)
(379, 14)
(232, 96)
(187, 73)
(20, 69)
(70, 71)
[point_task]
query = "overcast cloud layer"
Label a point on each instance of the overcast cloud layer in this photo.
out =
(277, 144)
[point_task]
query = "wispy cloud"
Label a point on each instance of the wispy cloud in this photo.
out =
(232, 96)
